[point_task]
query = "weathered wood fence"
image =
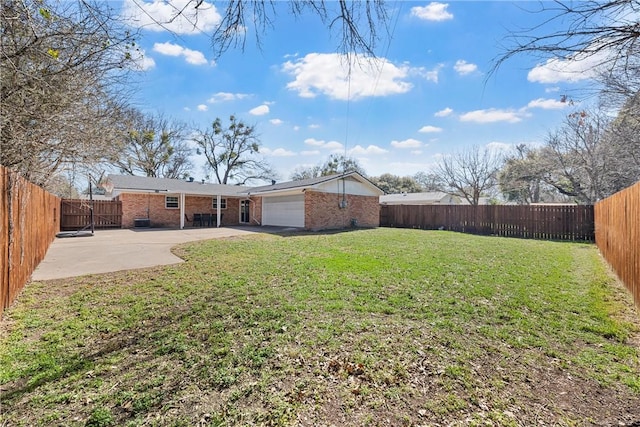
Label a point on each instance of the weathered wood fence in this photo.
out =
(28, 224)
(617, 220)
(75, 214)
(531, 222)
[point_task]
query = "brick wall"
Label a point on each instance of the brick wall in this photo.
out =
(152, 206)
(204, 204)
(255, 210)
(322, 211)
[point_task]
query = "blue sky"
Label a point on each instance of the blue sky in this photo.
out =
(427, 96)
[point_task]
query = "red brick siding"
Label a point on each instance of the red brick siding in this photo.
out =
(255, 211)
(152, 206)
(322, 211)
(148, 206)
(204, 204)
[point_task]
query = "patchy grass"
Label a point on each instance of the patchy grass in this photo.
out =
(368, 327)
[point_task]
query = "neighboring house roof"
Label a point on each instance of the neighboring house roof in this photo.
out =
(304, 184)
(428, 198)
(143, 184)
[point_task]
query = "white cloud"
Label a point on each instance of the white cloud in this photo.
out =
(407, 143)
(429, 75)
(191, 56)
(547, 104)
(552, 89)
(434, 11)
(276, 122)
(278, 152)
(202, 107)
(371, 149)
(310, 153)
(430, 129)
(141, 61)
(226, 96)
(444, 113)
(416, 152)
(499, 146)
(328, 74)
(492, 115)
(260, 110)
(570, 70)
(331, 145)
(176, 16)
(463, 67)
(314, 126)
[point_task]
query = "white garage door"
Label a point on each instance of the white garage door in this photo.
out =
(284, 211)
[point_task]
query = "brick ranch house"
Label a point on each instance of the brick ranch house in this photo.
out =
(328, 202)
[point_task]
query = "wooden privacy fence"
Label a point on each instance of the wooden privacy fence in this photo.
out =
(28, 225)
(75, 214)
(531, 221)
(617, 220)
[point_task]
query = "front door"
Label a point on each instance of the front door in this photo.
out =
(244, 211)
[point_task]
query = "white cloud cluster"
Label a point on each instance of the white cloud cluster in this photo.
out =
(430, 129)
(226, 96)
(326, 145)
(444, 113)
(278, 152)
(434, 11)
(362, 151)
(463, 67)
(176, 16)
(578, 68)
(328, 74)
(493, 115)
(547, 104)
(202, 107)
(193, 57)
(407, 143)
(260, 110)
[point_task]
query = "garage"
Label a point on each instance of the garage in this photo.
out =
(283, 211)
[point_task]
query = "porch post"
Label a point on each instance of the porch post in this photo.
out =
(219, 200)
(182, 211)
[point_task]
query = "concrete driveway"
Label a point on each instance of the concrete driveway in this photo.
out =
(115, 250)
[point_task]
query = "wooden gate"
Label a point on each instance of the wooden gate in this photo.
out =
(75, 214)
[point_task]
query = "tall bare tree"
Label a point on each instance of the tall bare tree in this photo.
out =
(605, 30)
(154, 146)
(232, 152)
(355, 24)
(61, 65)
(470, 173)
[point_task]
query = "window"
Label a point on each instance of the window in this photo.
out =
(171, 202)
(223, 203)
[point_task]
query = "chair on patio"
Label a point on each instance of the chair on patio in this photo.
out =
(207, 220)
(197, 219)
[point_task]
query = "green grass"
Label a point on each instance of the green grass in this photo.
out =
(369, 327)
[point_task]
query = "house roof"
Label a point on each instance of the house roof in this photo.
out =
(432, 197)
(312, 182)
(125, 183)
(129, 183)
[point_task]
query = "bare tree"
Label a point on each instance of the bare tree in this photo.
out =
(521, 179)
(232, 152)
(61, 65)
(470, 173)
(584, 162)
(356, 24)
(154, 146)
(605, 30)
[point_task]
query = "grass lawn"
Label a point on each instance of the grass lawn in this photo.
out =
(371, 327)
